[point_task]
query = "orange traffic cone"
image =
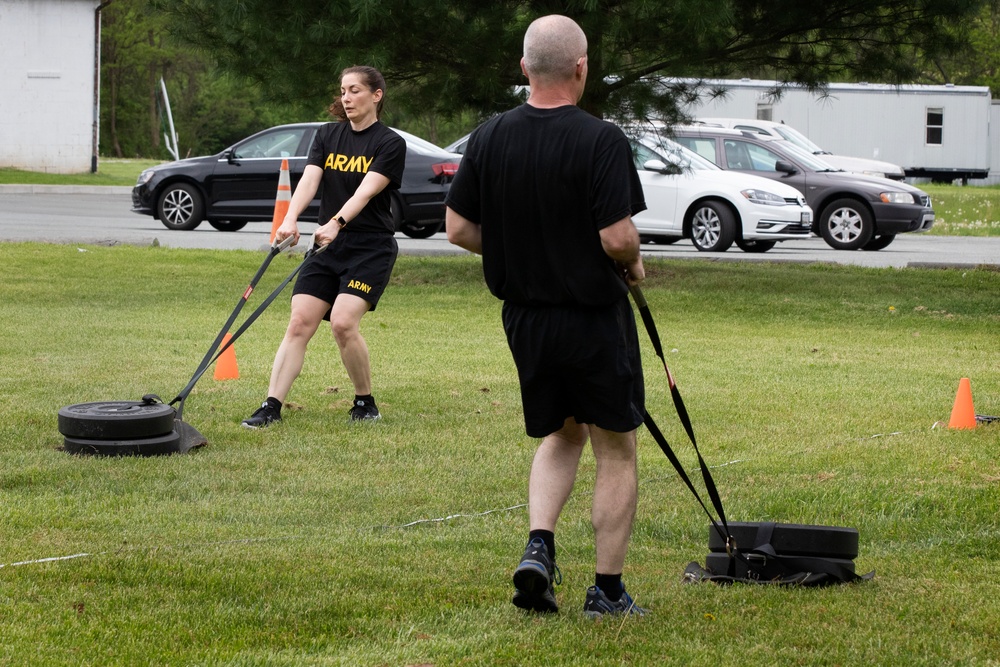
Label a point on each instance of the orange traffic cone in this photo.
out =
(225, 367)
(963, 415)
(283, 199)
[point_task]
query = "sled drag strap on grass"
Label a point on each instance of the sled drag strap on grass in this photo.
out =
(786, 554)
(661, 440)
(214, 352)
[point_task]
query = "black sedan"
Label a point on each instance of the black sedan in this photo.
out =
(852, 211)
(240, 184)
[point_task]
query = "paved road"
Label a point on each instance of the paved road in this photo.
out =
(81, 215)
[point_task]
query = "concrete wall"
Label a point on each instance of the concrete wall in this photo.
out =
(47, 84)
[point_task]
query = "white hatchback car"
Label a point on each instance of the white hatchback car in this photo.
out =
(689, 197)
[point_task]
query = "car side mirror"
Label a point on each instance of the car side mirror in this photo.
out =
(231, 157)
(660, 167)
(785, 167)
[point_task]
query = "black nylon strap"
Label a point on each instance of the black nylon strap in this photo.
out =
(211, 358)
(205, 362)
(713, 493)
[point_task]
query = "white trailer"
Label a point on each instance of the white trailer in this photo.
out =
(937, 132)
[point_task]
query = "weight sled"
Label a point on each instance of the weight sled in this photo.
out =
(791, 539)
(162, 444)
(116, 420)
(780, 553)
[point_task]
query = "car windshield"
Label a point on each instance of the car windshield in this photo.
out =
(794, 136)
(422, 146)
(811, 161)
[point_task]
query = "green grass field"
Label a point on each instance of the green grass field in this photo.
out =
(817, 393)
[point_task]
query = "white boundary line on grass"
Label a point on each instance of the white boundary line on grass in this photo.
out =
(251, 540)
(55, 559)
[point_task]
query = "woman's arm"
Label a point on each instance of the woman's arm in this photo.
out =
(372, 184)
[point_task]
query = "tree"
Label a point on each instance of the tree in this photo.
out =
(977, 62)
(211, 109)
(449, 56)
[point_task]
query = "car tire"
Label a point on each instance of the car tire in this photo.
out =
(879, 242)
(846, 224)
(753, 245)
(421, 231)
(713, 227)
(228, 225)
(659, 239)
(180, 207)
(116, 420)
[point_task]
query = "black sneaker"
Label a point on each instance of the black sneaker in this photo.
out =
(534, 578)
(597, 604)
(265, 415)
(364, 411)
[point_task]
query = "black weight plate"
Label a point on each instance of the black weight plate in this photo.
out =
(791, 539)
(161, 444)
(719, 564)
(116, 420)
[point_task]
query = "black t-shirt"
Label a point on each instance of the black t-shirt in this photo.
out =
(345, 157)
(542, 183)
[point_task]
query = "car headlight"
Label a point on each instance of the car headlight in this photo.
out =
(145, 176)
(896, 197)
(763, 197)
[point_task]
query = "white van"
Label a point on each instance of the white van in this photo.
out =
(770, 128)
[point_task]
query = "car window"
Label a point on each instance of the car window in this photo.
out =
(642, 154)
(422, 146)
(703, 147)
(744, 156)
(279, 143)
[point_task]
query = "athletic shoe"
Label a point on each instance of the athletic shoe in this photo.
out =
(363, 411)
(597, 604)
(534, 578)
(265, 415)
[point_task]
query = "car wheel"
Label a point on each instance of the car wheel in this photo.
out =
(424, 231)
(658, 239)
(846, 224)
(228, 225)
(879, 242)
(713, 227)
(180, 207)
(753, 245)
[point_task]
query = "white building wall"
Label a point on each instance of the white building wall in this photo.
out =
(876, 121)
(47, 84)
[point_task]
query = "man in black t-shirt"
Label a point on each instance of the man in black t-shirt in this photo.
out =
(545, 194)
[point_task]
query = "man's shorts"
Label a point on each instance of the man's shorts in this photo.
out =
(355, 263)
(577, 362)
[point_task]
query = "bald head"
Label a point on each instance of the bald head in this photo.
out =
(553, 45)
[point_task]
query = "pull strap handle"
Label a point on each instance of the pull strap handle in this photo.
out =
(713, 493)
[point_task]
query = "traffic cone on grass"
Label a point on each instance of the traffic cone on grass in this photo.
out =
(225, 367)
(282, 200)
(963, 415)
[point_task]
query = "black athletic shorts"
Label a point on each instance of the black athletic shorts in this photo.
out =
(358, 263)
(579, 362)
